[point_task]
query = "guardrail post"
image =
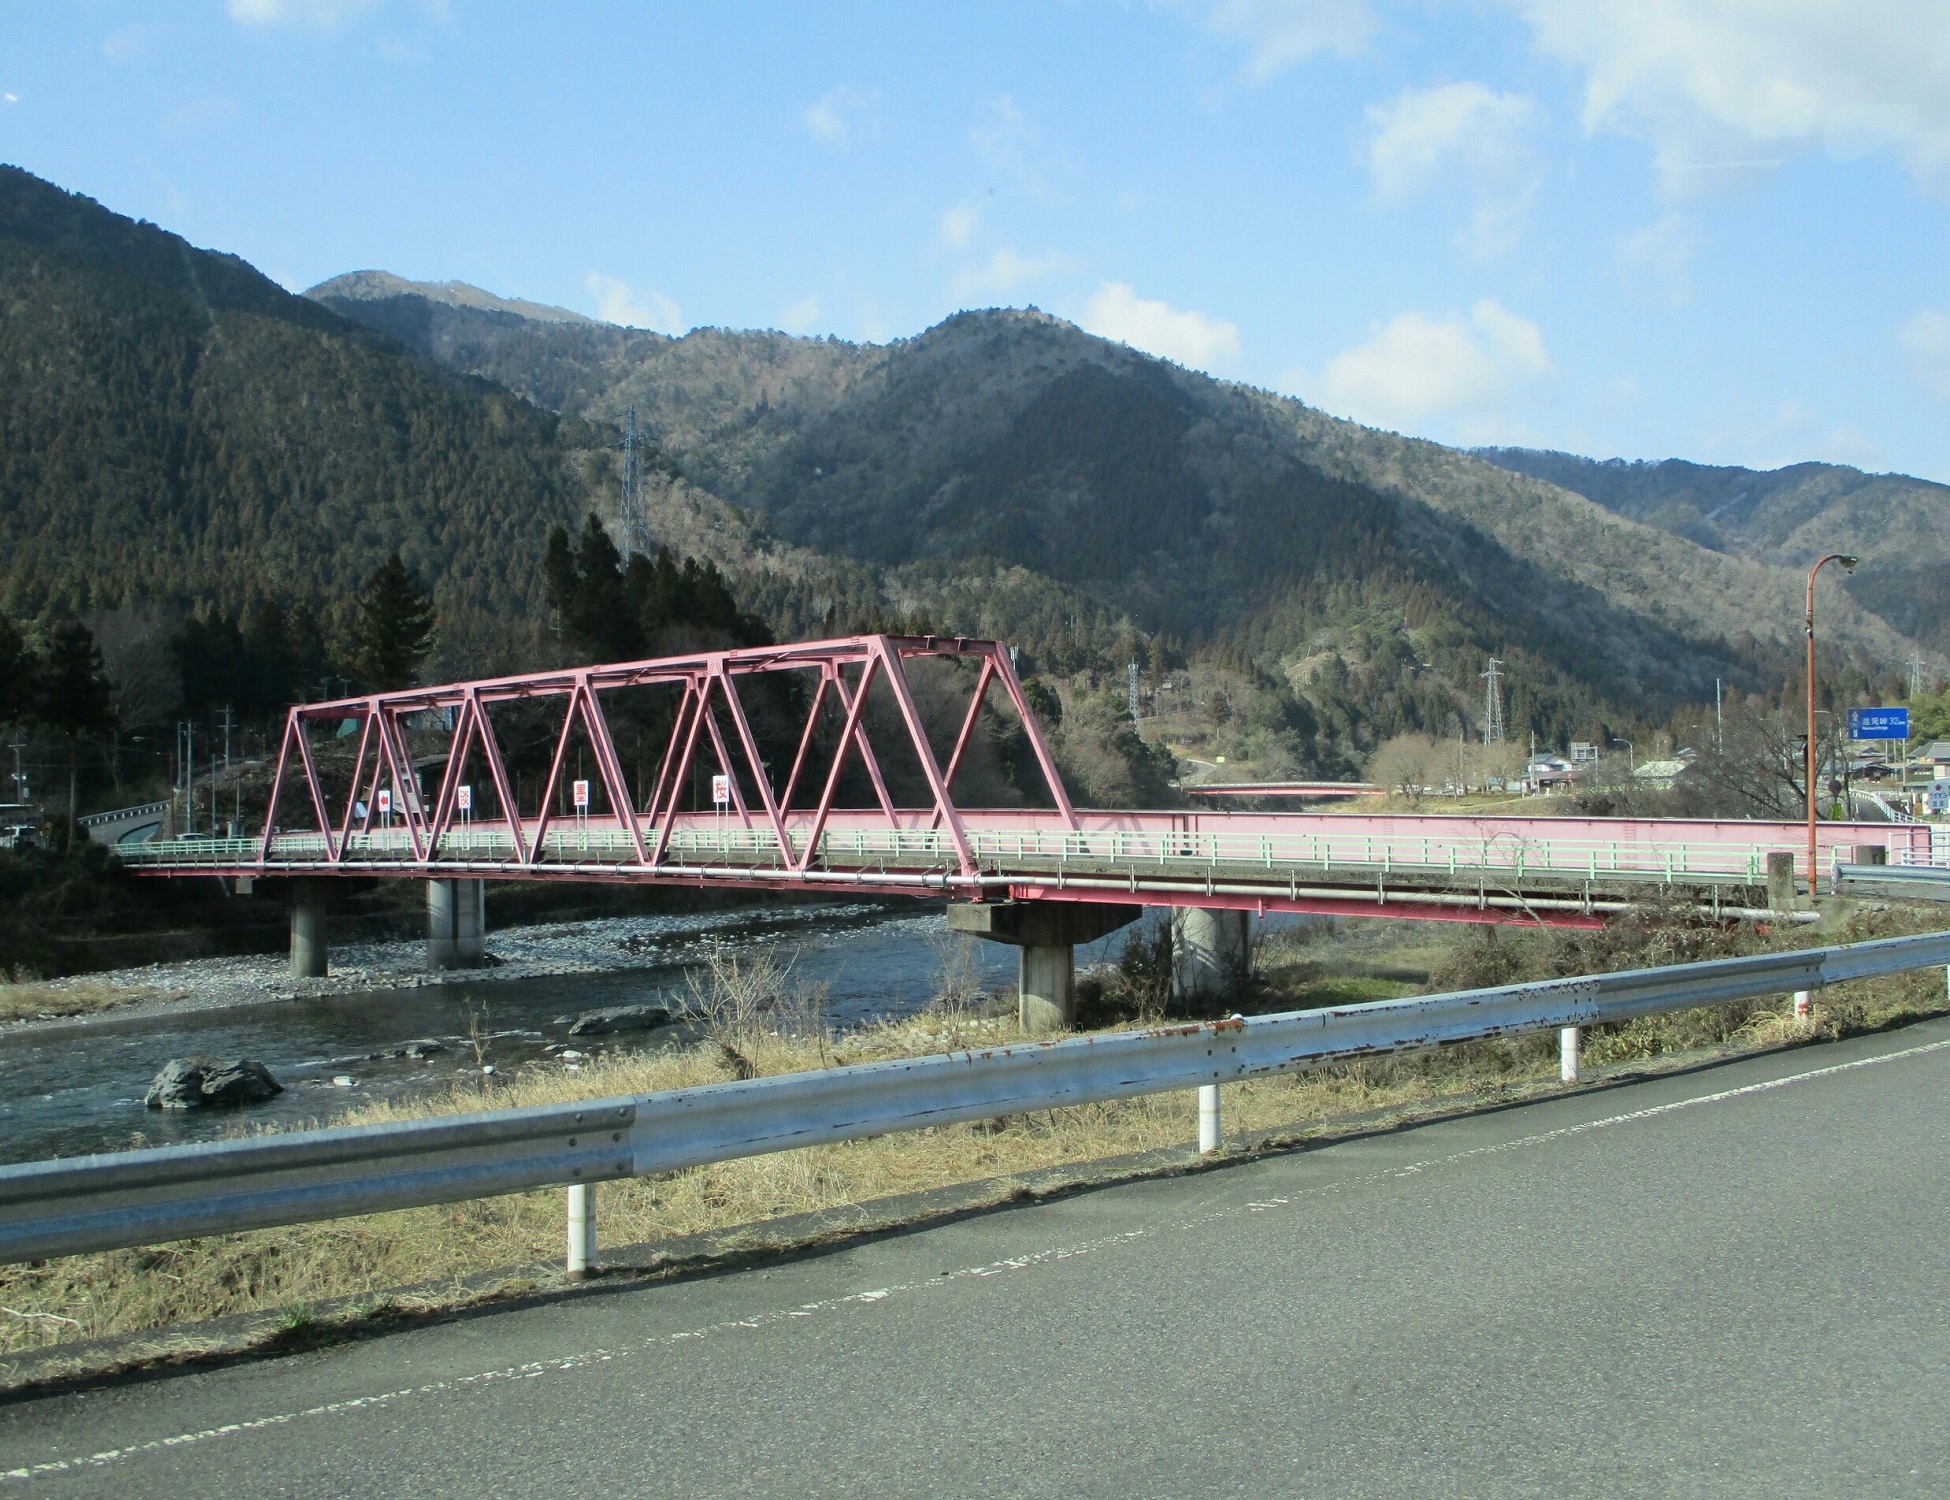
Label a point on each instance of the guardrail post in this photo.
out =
(1804, 1005)
(582, 1231)
(1208, 1118)
(1568, 1039)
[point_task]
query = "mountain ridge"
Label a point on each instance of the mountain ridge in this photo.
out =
(770, 423)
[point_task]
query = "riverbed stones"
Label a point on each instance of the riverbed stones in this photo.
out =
(202, 1082)
(617, 1018)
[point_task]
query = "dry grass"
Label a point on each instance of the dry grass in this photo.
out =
(35, 1001)
(770, 1029)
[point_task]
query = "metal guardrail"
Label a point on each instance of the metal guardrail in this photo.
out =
(1900, 882)
(72, 1206)
(757, 849)
(121, 814)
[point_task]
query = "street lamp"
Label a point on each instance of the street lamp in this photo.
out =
(1848, 566)
(1631, 755)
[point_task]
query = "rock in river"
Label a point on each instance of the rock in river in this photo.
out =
(193, 1082)
(620, 1018)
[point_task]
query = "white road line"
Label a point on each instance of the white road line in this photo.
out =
(1031, 1261)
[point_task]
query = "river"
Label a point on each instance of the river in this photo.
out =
(74, 1087)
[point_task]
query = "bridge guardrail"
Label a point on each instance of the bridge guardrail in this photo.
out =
(72, 1206)
(1498, 856)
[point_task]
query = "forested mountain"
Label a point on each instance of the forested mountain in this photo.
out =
(178, 433)
(1012, 449)
(1898, 526)
(176, 427)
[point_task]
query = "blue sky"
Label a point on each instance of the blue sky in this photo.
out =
(1712, 229)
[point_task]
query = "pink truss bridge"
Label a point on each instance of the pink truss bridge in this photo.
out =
(418, 784)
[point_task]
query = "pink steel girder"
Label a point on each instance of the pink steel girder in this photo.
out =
(708, 683)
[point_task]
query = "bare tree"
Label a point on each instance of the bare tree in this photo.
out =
(1755, 767)
(1410, 764)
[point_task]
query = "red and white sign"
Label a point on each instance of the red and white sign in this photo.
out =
(721, 790)
(385, 801)
(464, 798)
(580, 795)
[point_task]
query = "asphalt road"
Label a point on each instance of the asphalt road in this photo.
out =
(1729, 1283)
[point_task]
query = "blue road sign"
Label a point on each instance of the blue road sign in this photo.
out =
(1878, 723)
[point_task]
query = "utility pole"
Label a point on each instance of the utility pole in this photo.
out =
(189, 777)
(1719, 725)
(226, 736)
(1134, 694)
(1493, 705)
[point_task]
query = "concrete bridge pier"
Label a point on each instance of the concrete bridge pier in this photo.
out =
(1210, 953)
(456, 923)
(309, 955)
(1046, 934)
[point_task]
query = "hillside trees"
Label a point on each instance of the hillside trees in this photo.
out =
(256, 664)
(607, 609)
(73, 697)
(175, 426)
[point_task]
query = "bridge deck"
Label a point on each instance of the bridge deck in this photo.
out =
(1561, 870)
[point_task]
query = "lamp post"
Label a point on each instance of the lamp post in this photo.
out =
(1848, 566)
(1631, 755)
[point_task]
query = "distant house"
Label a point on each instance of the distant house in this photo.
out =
(1937, 752)
(1546, 772)
(1658, 774)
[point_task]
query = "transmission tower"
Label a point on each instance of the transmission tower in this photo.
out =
(1134, 692)
(634, 541)
(1916, 665)
(1493, 704)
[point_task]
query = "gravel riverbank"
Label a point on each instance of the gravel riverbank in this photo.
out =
(604, 945)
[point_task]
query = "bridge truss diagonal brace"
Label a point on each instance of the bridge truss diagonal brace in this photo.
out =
(930, 767)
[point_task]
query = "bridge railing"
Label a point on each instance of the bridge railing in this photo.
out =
(1317, 850)
(127, 1198)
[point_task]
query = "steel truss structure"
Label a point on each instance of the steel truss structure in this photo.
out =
(393, 815)
(384, 779)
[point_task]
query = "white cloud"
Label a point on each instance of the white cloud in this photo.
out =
(619, 302)
(1007, 269)
(9, 98)
(1279, 33)
(286, 12)
(1658, 259)
(957, 226)
(1925, 338)
(802, 316)
(1722, 88)
(1465, 134)
(1191, 338)
(1420, 367)
(843, 115)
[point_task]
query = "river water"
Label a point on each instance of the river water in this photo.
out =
(77, 1087)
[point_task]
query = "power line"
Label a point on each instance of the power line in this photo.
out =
(633, 527)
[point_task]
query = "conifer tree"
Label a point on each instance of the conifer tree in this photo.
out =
(395, 630)
(74, 697)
